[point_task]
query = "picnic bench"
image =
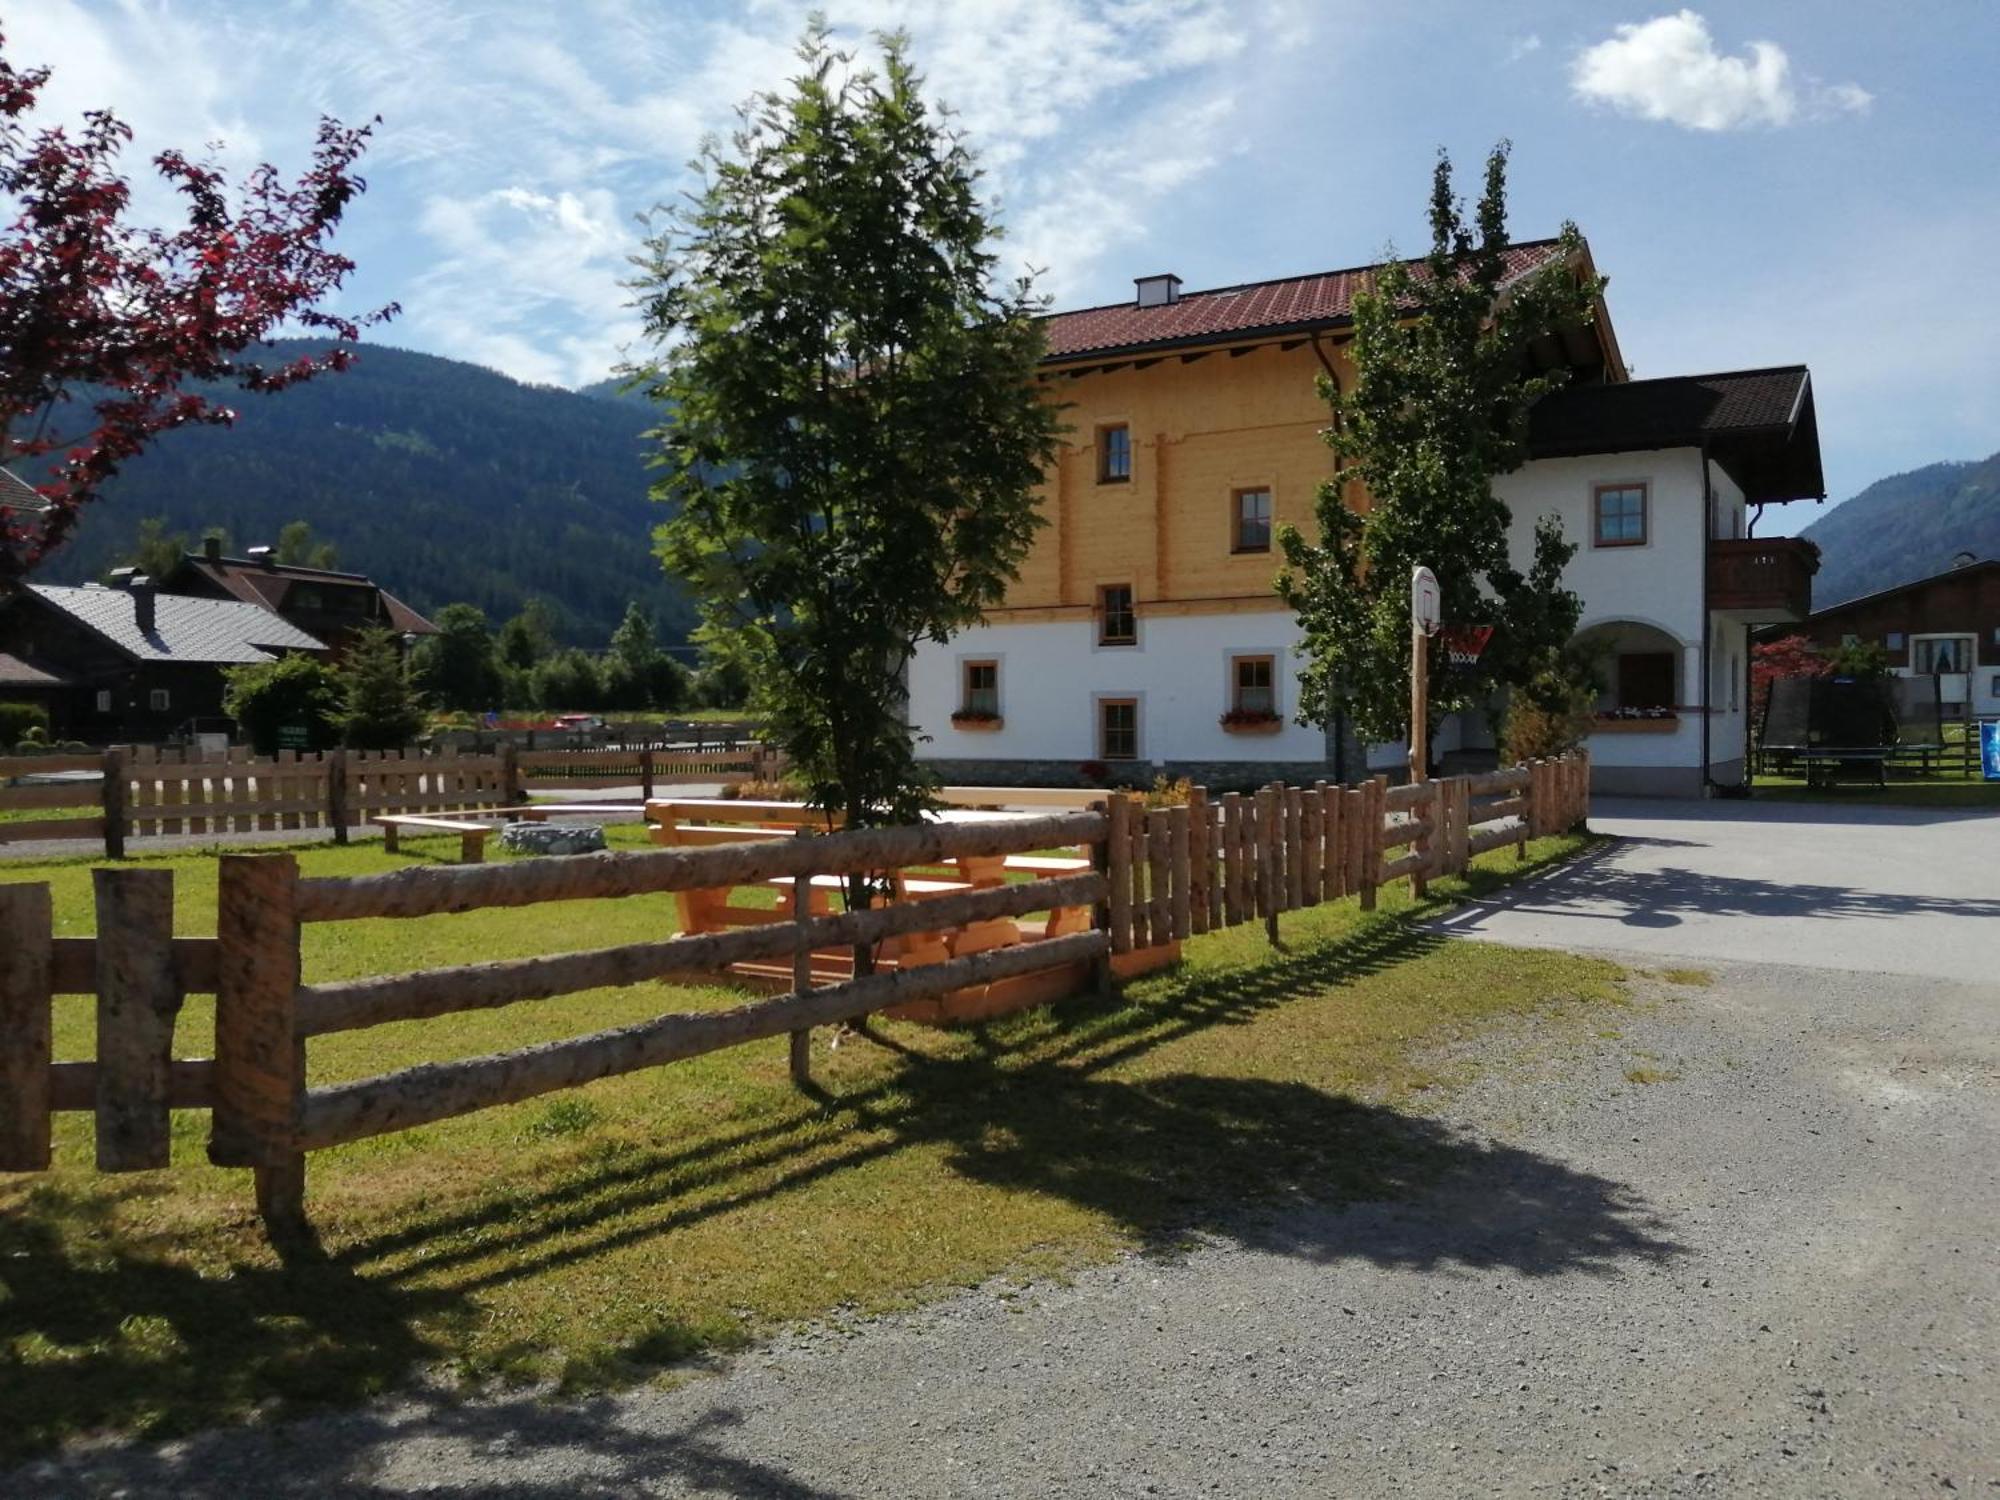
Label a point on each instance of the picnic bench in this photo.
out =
(695, 822)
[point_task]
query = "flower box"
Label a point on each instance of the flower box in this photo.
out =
(1665, 724)
(1238, 722)
(976, 723)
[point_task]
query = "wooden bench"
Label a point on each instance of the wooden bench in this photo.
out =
(471, 836)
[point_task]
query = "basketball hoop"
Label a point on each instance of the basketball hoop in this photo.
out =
(1464, 643)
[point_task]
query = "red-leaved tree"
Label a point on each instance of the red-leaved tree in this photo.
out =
(105, 324)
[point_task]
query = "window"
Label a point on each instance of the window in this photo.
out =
(1893, 641)
(104, 700)
(1116, 623)
(1646, 679)
(1251, 679)
(158, 700)
(982, 689)
(1114, 454)
(1943, 653)
(1118, 728)
(1252, 521)
(1618, 515)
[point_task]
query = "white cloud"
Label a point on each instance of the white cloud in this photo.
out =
(1668, 69)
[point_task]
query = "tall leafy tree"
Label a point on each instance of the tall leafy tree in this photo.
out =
(104, 324)
(298, 547)
(458, 666)
(1438, 407)
(379, 708)
(852, 436)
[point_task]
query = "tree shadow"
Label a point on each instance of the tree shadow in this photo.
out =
(1595, 886)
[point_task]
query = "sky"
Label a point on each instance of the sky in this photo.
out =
(1764, 181)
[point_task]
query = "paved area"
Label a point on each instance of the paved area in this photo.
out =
(1897, 890)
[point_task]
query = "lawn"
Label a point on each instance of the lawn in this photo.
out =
(598, 1235)
(1949, 784)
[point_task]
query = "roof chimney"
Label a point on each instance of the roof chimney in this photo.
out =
(1965, 559)
(142, 603)
(121, 578)
(1158, 291)
(211, 548)
(263, 557)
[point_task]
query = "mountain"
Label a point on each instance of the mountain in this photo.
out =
(442, 480)
(1905, 527)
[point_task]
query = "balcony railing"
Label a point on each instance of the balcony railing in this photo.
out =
(1771, 579)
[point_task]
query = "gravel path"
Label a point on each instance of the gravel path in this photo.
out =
(1737, 1242)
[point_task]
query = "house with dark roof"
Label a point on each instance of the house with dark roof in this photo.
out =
(324, 603)
(1945, 626)
(1144, 634)
(21, 511)
(131, 662)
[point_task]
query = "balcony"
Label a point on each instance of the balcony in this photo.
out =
(1759, 582)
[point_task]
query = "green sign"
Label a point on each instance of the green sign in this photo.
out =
(294, 737)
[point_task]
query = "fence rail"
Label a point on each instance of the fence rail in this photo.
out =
(1158, 875)
(142, 791)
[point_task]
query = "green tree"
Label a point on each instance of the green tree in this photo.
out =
(853, 434)
(293, 693)
(298, 548)
(379, 709)
(529, 636)
(1864, 661)
(458, 666)
(1437, 407)
(155, 551)
(569, 682)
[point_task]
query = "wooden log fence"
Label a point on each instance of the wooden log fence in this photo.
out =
(1158, 876)
(142, 792)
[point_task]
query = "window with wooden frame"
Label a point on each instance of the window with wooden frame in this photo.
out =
(1250, 520)
(1253, 692)
(1117, 623)
(1618, 515)
(1114, 454)
(979, 697)
(1117, 728)
(1942, 653)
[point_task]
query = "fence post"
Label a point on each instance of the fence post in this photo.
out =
(1295, 847)
(802, 977)
(1371, 840)
(27, 956)
(646, 775)
(336, 794)
(1159, 876)
(1424, 845)
(1182, 850)
(138, 1001)
(259, 1055)
(1312, 825)
(114, 802)
(1118, 869)
(1268, 853)
(1200, 858)
(1138, 869)
(1100, 861)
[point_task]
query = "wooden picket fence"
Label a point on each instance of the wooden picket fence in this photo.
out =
(1159, 875)
(142, 791)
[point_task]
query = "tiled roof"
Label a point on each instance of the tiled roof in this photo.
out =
(17, 494)
(1758, 423)
(1298, 302)
(18, 673)
(267, 584)
(185, 629)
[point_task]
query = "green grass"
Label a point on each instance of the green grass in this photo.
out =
(1947, 785)
(1696, 977)
(594, 1236)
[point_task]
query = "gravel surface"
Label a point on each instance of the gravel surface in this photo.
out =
(1734, 1241)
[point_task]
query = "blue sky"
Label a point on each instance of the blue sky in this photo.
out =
(1763, 182)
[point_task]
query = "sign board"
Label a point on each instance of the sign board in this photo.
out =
(294, 737)
(1424, 600)
(1989, 749)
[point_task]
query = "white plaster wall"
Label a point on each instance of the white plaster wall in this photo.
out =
(1052, 672)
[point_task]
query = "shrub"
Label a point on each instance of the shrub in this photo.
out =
(1555, 709)
(19, 720)
(292, 692)
(1167, 793)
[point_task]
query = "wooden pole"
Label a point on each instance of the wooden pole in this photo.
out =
(1159, 876)
(114, 802)
(1268, 825)
(259, 1055)
(1118, 867)
(1102, 978)
(1424, 845)
(27, 945)
(1200, 859)
(1137, 867)
(1371, 841)
(1182, 871)
(336, 794)
(1232, 858)
(802, 978)
(646, 775)
(1420, 761)
(138, 1001)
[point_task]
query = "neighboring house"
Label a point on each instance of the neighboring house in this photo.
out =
(1144, 632)
(331, 605)
(131, 663)
(21, 511)
(1947, 625)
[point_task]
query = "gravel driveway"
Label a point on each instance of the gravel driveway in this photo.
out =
(1735, 1240)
